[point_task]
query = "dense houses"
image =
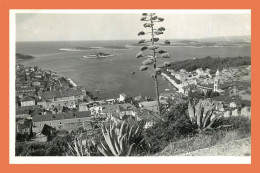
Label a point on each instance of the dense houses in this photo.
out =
(225, 82)
(45, 100)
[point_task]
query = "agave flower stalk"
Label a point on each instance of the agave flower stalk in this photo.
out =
(149, 19)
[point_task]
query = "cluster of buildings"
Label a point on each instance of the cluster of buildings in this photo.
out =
(204, 80)
(222, 82)
(43, 99)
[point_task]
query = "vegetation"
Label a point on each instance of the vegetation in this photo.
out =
(202, 115)
(57, 147)
(23, 57)
(241, 124)
(118, 141)
(176, 125)
(153, 46)
(79, 149)
(210, 63)
(200, 141)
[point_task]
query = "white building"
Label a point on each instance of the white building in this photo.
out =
(216, 81)
(246, 111)
(27, 101)
(232, 105)
(83, 107)
(122, 97)
(235, 112)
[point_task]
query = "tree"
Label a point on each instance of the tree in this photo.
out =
(152, 46)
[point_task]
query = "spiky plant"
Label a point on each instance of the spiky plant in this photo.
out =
(118, 141)
(152, 46)
(203, 115)
(79, 149)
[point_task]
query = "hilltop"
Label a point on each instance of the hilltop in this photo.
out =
(210, 63)
(22, 57)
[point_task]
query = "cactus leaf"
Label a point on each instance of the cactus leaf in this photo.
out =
(148, 61)
(140, 54)
(153, 47)
(130, 149)
(142, 68)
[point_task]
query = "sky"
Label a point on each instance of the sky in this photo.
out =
(125, 26)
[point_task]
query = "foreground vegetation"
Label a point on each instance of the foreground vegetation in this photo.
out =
(175, 134)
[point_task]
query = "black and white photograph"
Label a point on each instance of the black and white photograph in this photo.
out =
(87, 84)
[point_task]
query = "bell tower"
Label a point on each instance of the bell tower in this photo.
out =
(216, 81)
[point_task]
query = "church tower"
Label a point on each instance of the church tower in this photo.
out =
(216, 81)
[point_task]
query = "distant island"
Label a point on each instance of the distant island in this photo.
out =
(234, 41)
(72, 49)
(77, 49)
(22, 57)
(98, 55)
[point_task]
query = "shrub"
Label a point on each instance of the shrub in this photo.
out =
(57, 147)
(175, 126)
(241, 124)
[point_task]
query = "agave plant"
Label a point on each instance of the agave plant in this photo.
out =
(150, 20)
(118, 141)
(79, 149)
(203, 115)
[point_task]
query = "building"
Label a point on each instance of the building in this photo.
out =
(26, 91)
(59, 103)
(22, 113)
(122, 97)
(246, 111)
(166, 96)
(216, 82)
(235, 112)
(152, 105)
(115, 109)
(62, 95)
(24, 126)
(27, 101)
(83, 107)
(62, 121)
(232, 105)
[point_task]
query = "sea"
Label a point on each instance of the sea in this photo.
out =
(113, 75)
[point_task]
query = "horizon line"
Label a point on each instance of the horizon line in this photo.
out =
(136, 39)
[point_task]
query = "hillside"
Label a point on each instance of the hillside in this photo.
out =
(22, 57)
(240, 147)
(210, 63)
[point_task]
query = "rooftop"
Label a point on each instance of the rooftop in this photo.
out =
(61, 116)
(60, 94)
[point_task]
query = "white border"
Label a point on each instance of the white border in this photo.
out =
(138, 11)
(104, 160)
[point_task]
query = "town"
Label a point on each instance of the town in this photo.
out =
(45, 100)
